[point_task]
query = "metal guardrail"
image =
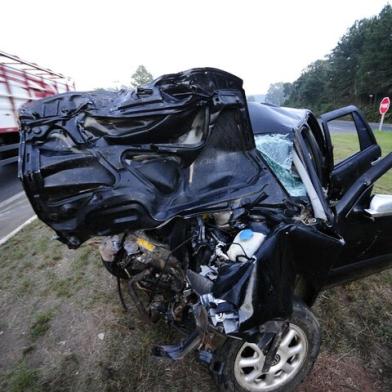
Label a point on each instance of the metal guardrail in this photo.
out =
(9, 147)
(6, 148)
(7, 161)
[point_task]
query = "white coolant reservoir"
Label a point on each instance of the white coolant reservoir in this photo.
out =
(245, 244)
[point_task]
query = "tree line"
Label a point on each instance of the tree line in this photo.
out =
(358, 71)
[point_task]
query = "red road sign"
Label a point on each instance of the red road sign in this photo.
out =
(384, 105)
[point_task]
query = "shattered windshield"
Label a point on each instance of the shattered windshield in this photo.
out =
(277, 150)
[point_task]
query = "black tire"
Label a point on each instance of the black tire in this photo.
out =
(303, 318)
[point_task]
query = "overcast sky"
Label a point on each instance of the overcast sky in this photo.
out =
(100, 43)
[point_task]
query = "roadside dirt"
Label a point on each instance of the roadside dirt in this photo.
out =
(332, 373)
(62, 329)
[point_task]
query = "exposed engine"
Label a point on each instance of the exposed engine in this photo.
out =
(162, 281)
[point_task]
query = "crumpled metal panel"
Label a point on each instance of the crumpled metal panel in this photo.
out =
(99, 163)
(262, 288)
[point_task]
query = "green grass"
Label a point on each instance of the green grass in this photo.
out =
(23, 379)
(346, 144)
(66, 287)
(25, 286)
(41, 324)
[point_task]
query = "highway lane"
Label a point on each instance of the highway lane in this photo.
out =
(9, 182)
(15, 209)
(14, 213)
(348, 126)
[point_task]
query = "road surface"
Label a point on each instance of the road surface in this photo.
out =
(15, 209)
(348, 126)
(9, 182)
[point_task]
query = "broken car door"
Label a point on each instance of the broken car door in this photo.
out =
(368, 235)
(344, 173)
(365, 222)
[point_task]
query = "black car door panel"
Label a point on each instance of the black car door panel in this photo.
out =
(351, 168)
(368, 239)
(344, 173)
(361, 185)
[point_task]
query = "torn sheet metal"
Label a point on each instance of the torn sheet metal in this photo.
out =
(99, 163)
(221, 313)
(262, 289)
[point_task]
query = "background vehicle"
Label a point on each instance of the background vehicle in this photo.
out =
(21, 81)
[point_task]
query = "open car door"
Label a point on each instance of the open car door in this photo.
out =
(344, 174)
(363, 218)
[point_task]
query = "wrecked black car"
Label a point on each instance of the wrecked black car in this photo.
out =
(222, 217)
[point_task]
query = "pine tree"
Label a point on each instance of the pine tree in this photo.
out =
(358, 70)
(141, 76)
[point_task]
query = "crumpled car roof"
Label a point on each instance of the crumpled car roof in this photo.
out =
(266, 118)
(99, 163)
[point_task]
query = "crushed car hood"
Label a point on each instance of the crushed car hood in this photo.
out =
(100, 163)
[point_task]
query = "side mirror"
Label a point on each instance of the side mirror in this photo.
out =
(380, 205)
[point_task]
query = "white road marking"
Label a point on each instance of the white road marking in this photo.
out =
(17, 230)
(11, 199)
(15, 214)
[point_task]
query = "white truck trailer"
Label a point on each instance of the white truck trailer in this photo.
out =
(21, 81)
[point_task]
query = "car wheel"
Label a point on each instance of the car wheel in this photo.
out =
(241, 362)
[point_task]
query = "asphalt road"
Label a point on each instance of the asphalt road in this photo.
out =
(9, 182)
(15, 209)
(348, 126)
